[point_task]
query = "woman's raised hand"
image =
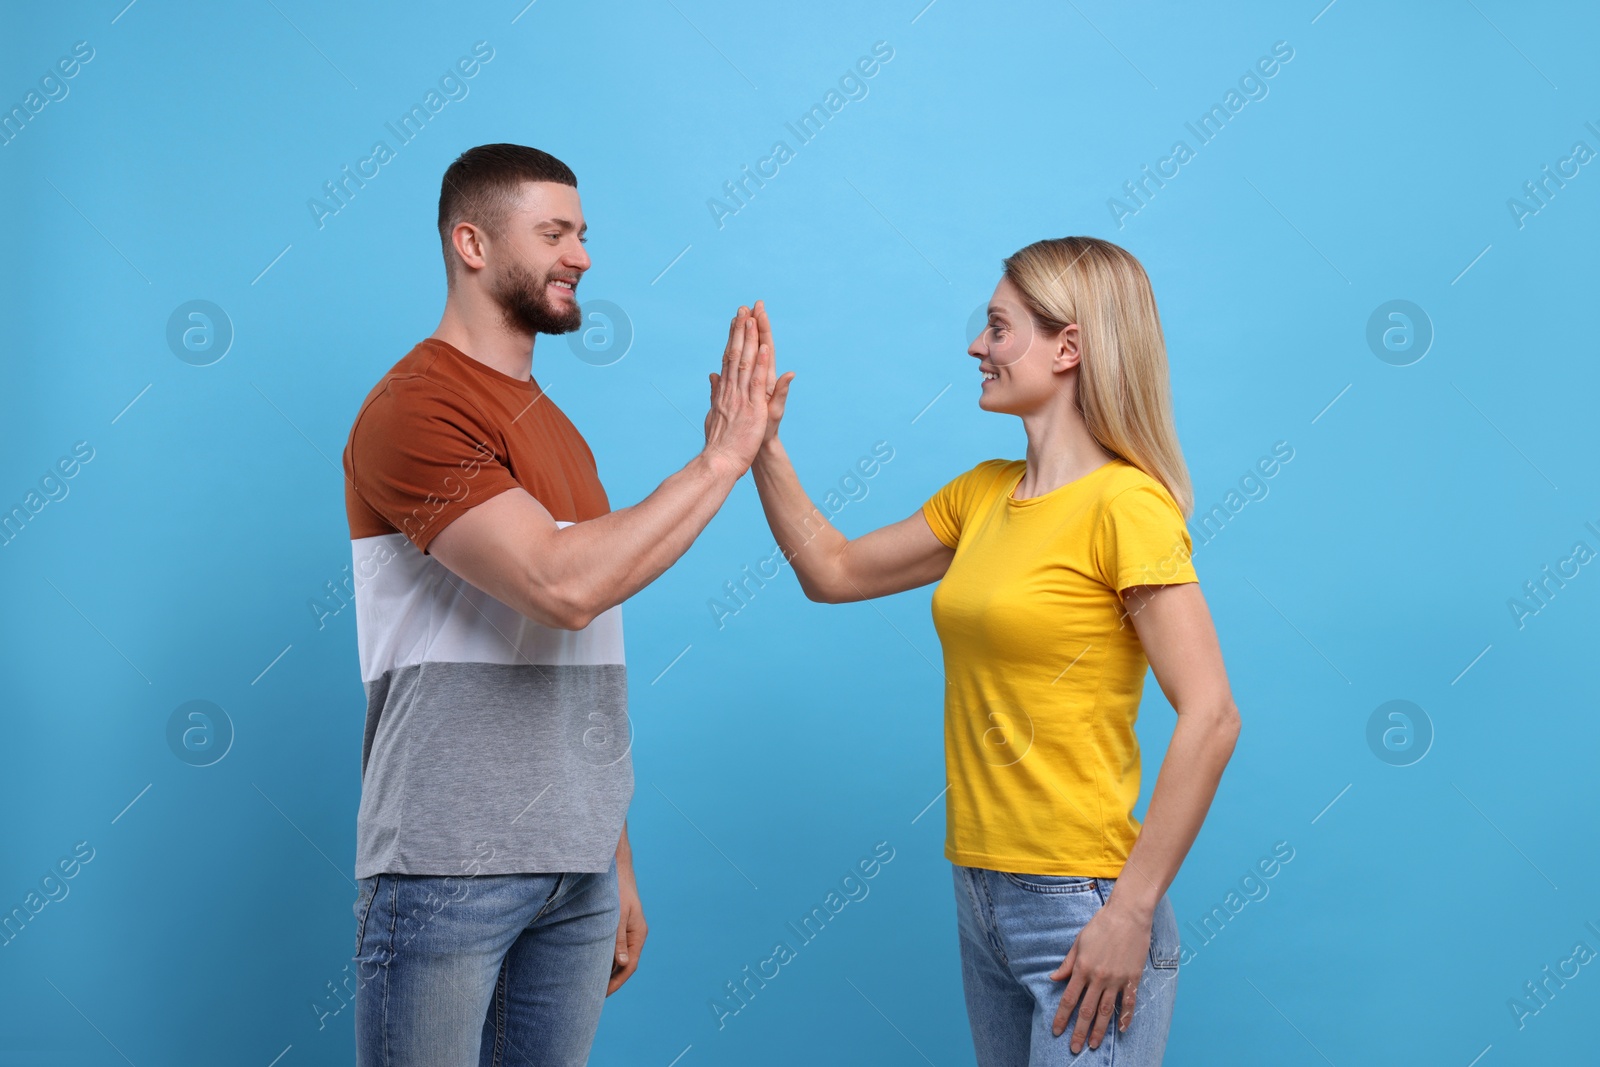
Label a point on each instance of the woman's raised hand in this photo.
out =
(777, 387)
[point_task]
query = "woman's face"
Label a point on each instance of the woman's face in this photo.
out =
(1021, 366)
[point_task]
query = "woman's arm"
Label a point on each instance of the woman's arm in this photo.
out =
(1174, 625)
(1180, 642)
(833, 569)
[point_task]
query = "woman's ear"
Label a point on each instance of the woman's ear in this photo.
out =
(1068, 353)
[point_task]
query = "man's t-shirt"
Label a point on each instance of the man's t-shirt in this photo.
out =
(1044, 670)
(493, 745)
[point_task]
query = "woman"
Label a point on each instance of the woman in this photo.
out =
(1061, 577)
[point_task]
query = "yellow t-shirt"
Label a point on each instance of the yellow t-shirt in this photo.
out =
(1043, 669)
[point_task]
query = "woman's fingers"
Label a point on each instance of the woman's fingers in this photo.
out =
(758, 390)
(1086, 1010)
(1130, 993)
(763, 323)
(1069, 999)
(1101, 1020)
(1061, 972)
(764, 332)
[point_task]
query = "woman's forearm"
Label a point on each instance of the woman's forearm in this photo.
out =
(809, 541)
(1202, 743)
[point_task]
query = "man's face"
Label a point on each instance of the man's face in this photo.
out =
(537, 259)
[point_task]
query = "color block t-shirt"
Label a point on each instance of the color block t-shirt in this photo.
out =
(1044, 669)
(493, 744)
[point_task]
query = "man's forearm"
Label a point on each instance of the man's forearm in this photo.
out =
(619, 553)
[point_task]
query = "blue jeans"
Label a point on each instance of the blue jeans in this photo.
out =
(482, 971)
(1015, 929)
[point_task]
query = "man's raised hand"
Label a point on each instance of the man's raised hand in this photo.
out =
(737, 423)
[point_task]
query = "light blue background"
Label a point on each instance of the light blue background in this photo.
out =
(217, 907)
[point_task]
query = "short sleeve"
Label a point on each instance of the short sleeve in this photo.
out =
(419, 456)
(1142, 540)
(946, 509)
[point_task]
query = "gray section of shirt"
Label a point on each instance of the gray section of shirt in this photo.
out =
(488, 768)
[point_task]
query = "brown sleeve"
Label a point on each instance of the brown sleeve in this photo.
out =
(420, 455)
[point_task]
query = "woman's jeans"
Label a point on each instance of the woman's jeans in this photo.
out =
(1015, 930)
(458, 971)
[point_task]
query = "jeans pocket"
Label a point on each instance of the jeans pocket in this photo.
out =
(363, 905)
(1049, 883)
(1164, 944)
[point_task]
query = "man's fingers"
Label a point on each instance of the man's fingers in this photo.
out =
(619, 975)
(620, 967)
(739, 369)
(730, 354)
(729, 349)
(747, 357)
(630, 938)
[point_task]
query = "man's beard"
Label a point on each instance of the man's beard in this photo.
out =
(526, 307)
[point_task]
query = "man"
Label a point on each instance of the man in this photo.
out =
(497, 906)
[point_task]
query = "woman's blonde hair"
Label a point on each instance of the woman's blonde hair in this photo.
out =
(1123, 392)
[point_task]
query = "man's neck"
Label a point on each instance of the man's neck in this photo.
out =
(486, 339)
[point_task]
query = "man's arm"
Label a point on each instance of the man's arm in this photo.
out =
(631, 926)
(510, 547)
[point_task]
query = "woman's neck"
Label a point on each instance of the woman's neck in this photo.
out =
(1060, 450)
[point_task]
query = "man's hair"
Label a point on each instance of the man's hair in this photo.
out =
(482, 187)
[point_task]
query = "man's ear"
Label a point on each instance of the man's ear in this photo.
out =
(469, 242)
(1068, 353)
